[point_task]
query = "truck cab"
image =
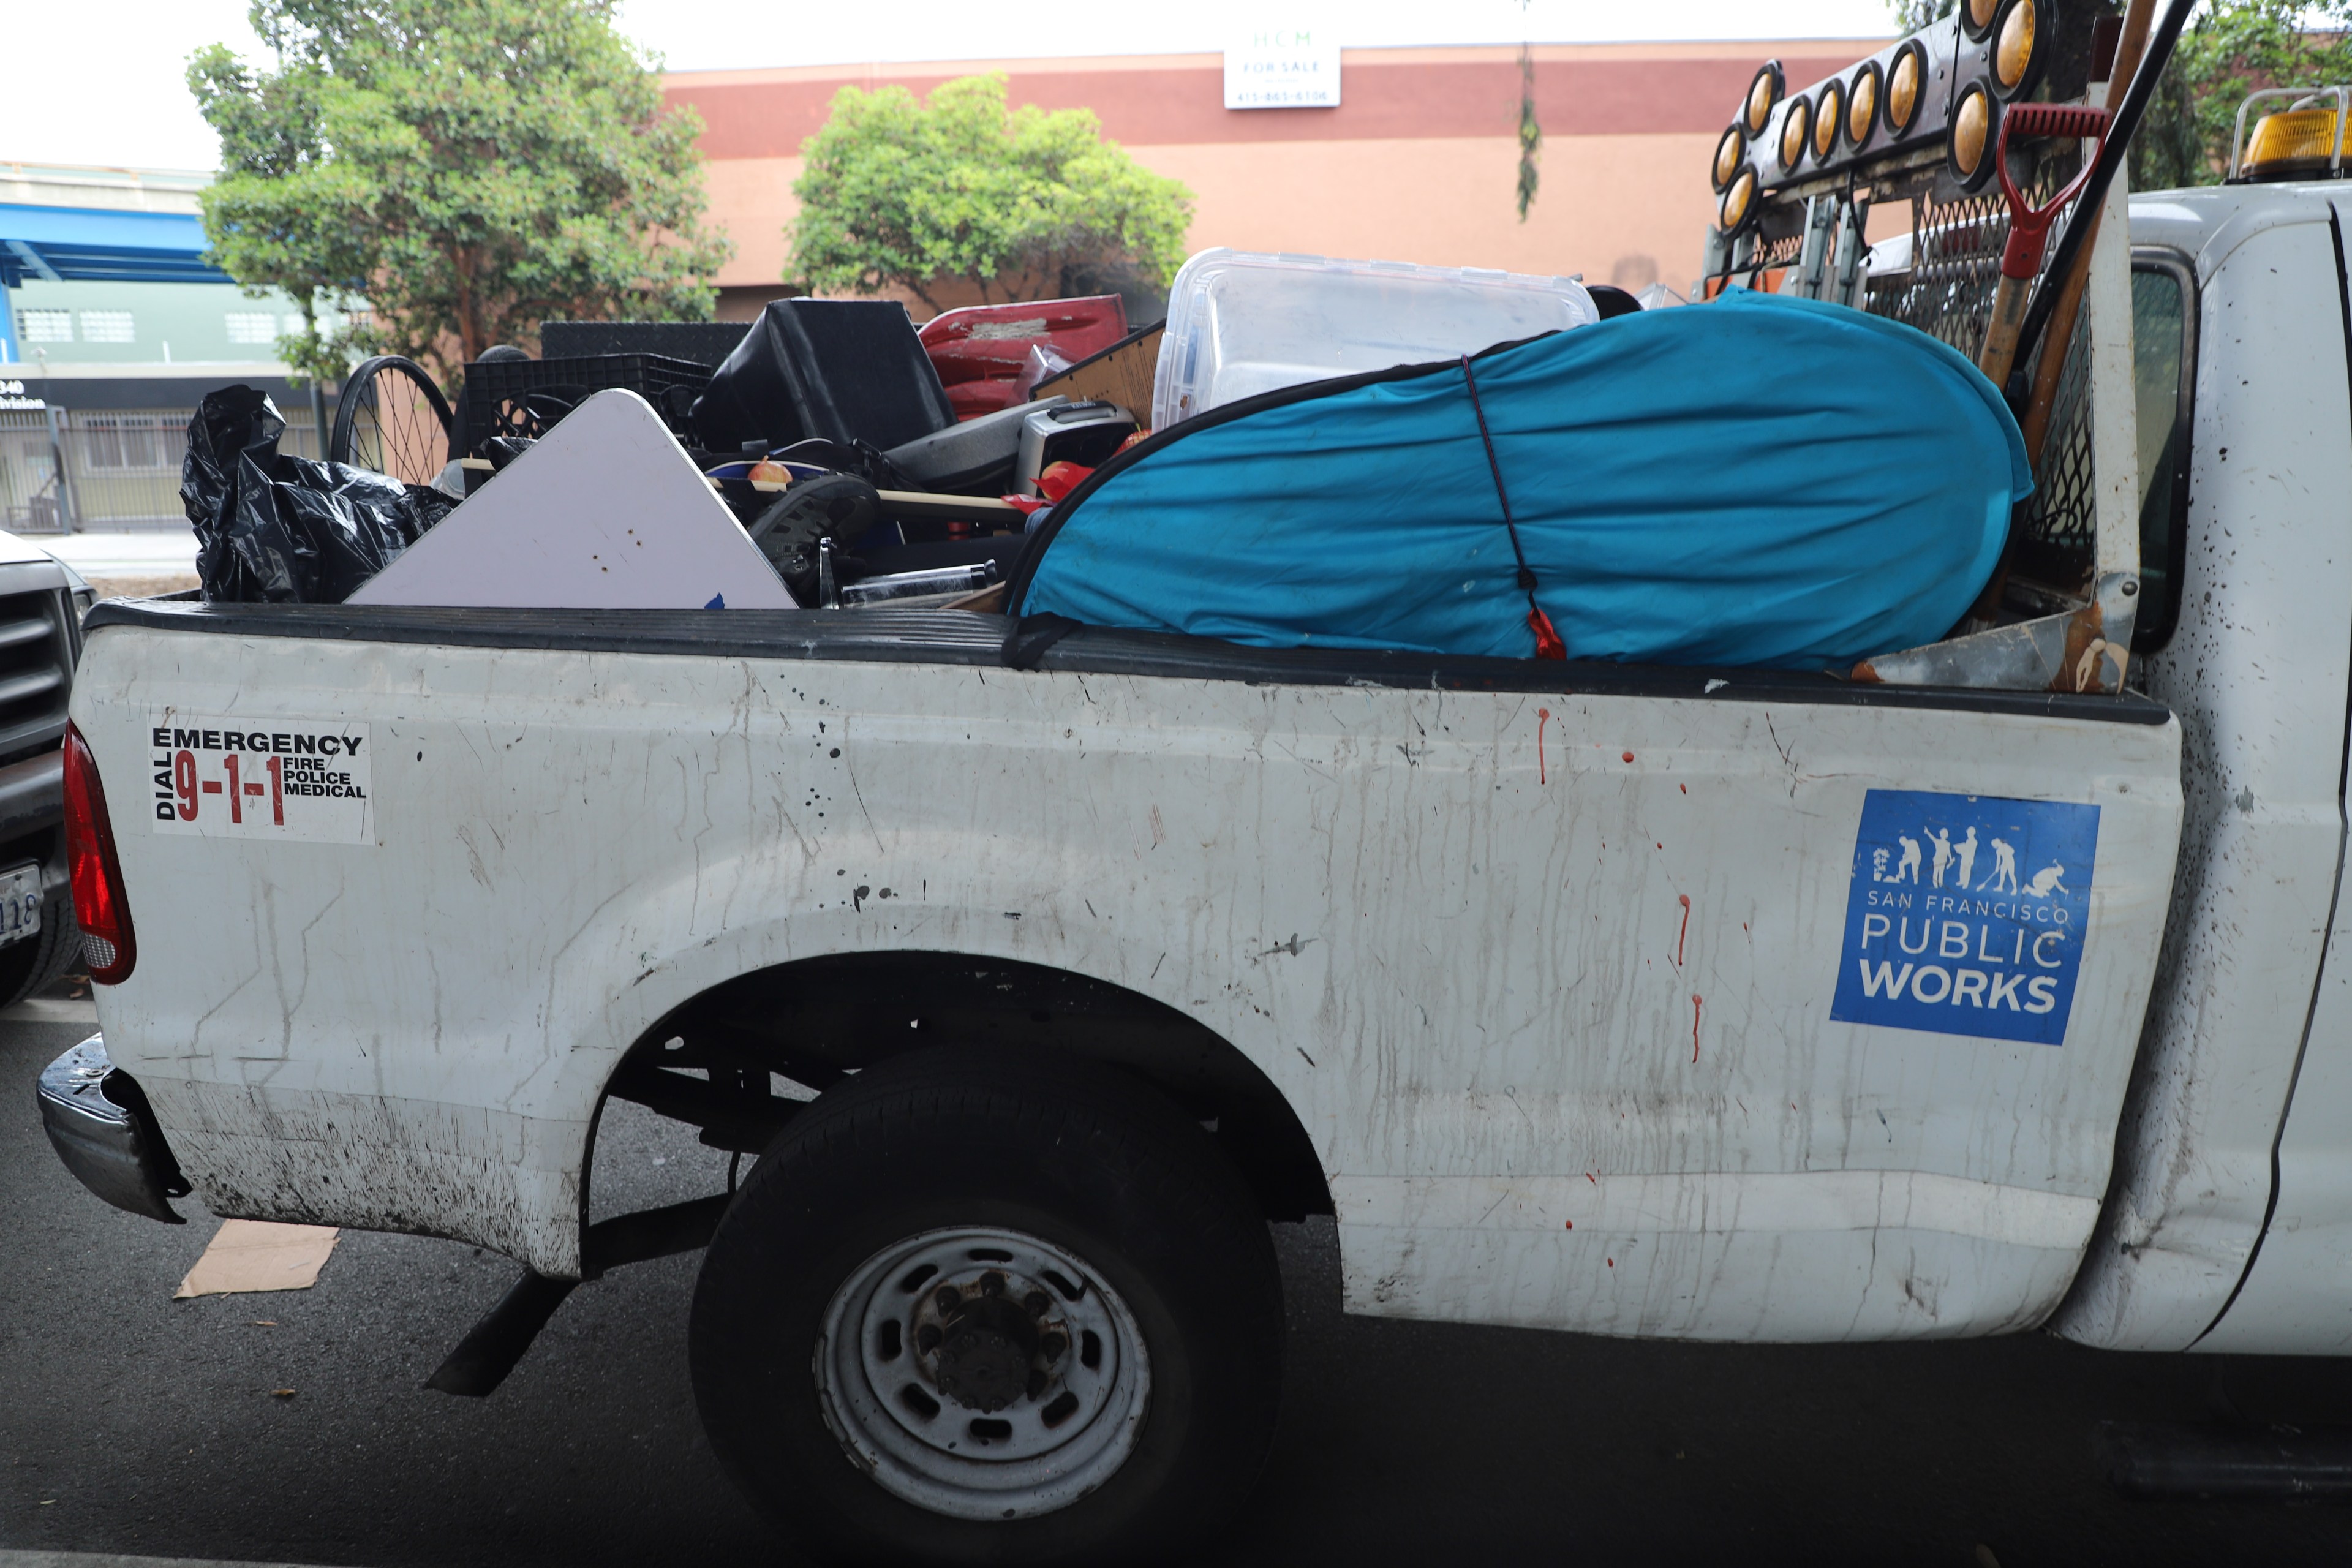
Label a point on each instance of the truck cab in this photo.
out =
(2223, 1230)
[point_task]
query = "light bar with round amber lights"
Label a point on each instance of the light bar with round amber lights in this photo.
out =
(1763, 93)
(1968, 145)
(2017, 52)
(1862, 103)
(1944, 88)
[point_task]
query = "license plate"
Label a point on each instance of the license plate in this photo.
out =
(20, 903)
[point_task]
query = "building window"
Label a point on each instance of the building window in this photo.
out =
(108, 327)
(116, 442)
(292, 325)
(251, 326)
(47, 326)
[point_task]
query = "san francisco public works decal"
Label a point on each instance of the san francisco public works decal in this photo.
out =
(1966, 914)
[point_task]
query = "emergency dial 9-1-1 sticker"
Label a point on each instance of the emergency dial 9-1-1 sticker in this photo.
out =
(249, 777)
(1966, 914)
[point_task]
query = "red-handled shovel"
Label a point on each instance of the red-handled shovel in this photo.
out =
(2029, 225)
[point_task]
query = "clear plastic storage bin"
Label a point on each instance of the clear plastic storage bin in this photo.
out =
(1241, 324)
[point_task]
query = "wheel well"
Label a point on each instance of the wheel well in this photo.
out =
(817, 1020)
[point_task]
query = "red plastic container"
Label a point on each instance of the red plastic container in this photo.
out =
(981, 351)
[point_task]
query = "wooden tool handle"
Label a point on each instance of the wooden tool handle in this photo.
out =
(2009, 303)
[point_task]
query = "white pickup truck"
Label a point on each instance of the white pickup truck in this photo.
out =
(1039, 974)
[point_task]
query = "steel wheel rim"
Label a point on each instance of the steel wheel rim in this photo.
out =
(391, 419)
(1059, 1436)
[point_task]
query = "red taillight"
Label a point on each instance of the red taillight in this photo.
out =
(99, 907)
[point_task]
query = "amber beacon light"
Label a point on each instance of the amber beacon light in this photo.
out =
(1967, 147)
(2300, 136)
(1763, 93)
(1829, 110)
(1862, 103)
(1905, 81)
(1729, 154)
(1738, 209)
(2017, 53)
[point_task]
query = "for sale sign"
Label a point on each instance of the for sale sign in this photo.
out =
(1276, 66)
(1966, 914)
(258, 778)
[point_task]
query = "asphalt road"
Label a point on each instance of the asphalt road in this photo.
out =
(131, 1422)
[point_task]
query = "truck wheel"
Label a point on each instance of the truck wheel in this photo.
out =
(32, 965)
(982, 1306)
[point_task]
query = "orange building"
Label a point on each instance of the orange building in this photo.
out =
(1419, 162)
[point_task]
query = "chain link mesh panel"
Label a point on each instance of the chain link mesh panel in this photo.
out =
(1948, 293)
(2058, 544)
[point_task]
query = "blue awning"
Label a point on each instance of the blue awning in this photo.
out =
(93, 245)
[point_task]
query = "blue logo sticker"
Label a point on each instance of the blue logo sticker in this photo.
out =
(1966, 914)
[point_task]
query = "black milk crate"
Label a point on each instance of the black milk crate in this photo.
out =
(528, 396)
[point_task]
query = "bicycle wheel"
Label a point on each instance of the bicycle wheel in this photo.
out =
(392, 419)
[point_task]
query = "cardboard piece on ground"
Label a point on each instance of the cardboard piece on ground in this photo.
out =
(1121, 374)
(51, 1010)
(248, 1255)
(605, 512)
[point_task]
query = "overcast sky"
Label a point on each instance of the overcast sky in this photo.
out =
(105, 83)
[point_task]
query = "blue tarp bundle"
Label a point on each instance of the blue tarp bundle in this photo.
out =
(1757, 480)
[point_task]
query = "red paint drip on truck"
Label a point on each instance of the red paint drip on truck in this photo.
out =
(1684, 937)
(1697, 1001)
(1543, 717)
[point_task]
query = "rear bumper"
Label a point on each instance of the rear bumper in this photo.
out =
(99, 1121)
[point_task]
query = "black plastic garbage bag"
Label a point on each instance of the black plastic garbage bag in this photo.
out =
(275, 528)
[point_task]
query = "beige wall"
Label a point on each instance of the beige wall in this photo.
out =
(752, 200)
(1611, 207)
(1407, 170)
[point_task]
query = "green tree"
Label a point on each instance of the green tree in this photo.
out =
(1910, 16)
(1022, 203)
(2230, 49)
(469, 167)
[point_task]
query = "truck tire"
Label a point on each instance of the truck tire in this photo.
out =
(33, 966)
(982, 1306)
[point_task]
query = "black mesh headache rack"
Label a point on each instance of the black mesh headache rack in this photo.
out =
(1797, 175)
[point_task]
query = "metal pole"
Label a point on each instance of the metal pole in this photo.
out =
(68, 513)
(319, 415)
